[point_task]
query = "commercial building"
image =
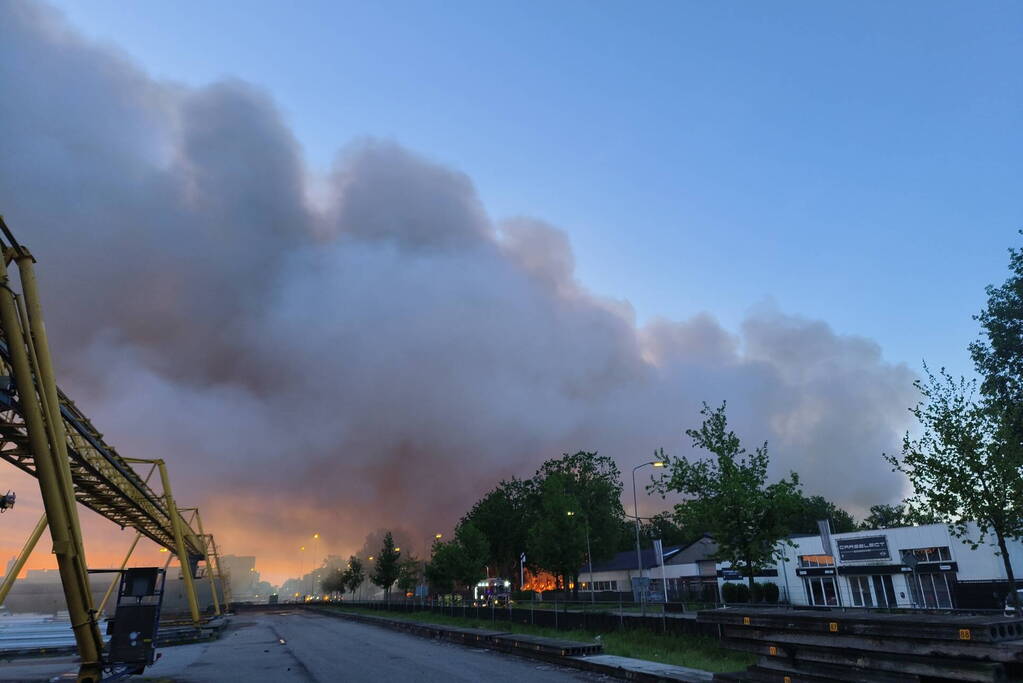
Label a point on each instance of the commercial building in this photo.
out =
(918, 566)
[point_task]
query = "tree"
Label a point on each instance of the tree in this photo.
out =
(728, 495)
(408, 575)
(460, 561)
(904, 514)
(472, 554)
(593, 484)
(662, 526)
(556, 540)
(885, 517)
(808, 511)
(385, 571)
(503, 516)
(998, 354)
(354, 574)
(333, 582)
(443, 566)
(966, 466)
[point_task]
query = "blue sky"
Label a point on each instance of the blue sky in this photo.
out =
(854, 162)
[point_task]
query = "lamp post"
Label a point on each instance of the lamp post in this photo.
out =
(427, 554)
(635, 504)
(370, 559)
(301, 566)
(589, 557)
(316, 570)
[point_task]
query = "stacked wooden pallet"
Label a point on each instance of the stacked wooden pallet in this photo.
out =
(820, 645)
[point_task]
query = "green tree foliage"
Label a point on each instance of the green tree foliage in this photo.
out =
(885, 517)
(354, 575)
(503, 516)
(729, 497)
(460, 562)
(892, 516)
(385, 570)
(442, 568)
(408, 574)
(998, 357)
(998, 354)
(966, 465)
(473, 553)
(662, 526)
(557, 540)
(592, 485)
(808, 511)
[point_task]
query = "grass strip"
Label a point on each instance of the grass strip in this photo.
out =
(697, 652)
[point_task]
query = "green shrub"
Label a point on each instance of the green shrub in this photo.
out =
(735, 592)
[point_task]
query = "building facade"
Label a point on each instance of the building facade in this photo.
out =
(918, 566)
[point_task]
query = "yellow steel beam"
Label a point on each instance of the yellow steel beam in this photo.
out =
(19, 563)
(117, 576)
(209, 565)
(179, 543)
(225, 586)
(50, 471)
(45, 434)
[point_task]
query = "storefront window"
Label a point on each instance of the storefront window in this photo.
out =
(821, 590)
(884, 590)
(859, 586)
(936, 554)
(816, 561)
(930, 590)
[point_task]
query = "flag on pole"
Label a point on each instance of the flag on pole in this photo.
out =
(825, 528)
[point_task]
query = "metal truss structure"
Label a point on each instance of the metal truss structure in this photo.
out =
(44, 433)
(104, 482)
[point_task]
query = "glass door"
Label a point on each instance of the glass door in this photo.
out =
(884, 590)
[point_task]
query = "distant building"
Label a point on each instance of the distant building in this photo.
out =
(240, 573)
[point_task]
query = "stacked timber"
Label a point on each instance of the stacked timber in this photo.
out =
(797, 646)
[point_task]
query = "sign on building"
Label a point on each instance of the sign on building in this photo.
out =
(865, 548)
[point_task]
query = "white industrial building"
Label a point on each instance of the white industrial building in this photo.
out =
(917, 566)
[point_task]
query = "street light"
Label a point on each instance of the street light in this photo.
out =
(427, 554)
(315, 575)
(635, 504)
(589, 557)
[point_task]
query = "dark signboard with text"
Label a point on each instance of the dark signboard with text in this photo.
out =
(860, 549)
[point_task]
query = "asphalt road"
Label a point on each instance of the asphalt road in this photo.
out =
(305, 647)
(309, 648)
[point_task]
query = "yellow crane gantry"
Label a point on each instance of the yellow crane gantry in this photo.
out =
(44, 433)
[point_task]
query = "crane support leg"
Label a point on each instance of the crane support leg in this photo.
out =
(52, 469)
(209, 564)
(19, 563)
(179, 541)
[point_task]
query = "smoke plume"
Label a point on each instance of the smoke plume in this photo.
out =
(380, 356)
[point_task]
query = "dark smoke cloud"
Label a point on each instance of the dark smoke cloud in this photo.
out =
(372, 354)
